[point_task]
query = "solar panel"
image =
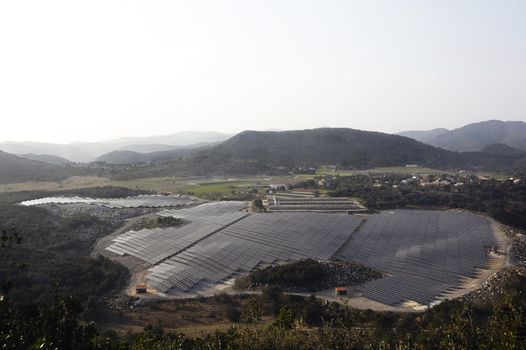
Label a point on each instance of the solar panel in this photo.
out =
(141, 201)
(255, 240)
(426, 253)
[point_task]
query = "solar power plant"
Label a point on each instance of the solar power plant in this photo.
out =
(256, 240)
(311, 204)
(141, 201)
(312, 207)
(425, 253)
(314, 200)
(205, 211)
(155, 245)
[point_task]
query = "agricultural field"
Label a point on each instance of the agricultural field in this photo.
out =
(197, 186)
(324, 170)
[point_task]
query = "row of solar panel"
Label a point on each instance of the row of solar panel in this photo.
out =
(155, 245)
(258, 239)
(426, 253)
(141, 201)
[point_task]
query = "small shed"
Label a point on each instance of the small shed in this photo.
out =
(340, 291)
(140, 288)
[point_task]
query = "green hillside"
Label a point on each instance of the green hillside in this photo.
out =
(338, 146)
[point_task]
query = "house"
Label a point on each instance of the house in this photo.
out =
(140, 289)
(340, 291)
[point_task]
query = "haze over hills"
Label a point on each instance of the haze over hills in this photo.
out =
(18, 169)
(258, 152)
(269, 152)
(182, 138)
(46, 158)
(475, 137)
(470, 138)
(86, 152)
(423, 136)
(131, 157)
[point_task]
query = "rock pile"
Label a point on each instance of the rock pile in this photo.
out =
(494, 286)
(335, 274)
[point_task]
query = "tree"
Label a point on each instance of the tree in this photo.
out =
(285, 318)
(257, 205)
(251, 311)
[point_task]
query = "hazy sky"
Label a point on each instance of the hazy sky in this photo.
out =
(94, 70)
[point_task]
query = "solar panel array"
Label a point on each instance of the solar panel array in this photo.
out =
(141, 201)
(425, 253)
(205, 211)
(276, 203)
(255, 240)
(155, 245)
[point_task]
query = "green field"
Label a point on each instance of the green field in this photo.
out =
(200, 186)
(384, 170)
(197, 186)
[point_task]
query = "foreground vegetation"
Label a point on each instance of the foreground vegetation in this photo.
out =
(57, 249)
(297, 323)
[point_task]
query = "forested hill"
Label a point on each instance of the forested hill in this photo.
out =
(46, 158)
(338, 146)
(18, 169)
(131, 157)
(355, 149)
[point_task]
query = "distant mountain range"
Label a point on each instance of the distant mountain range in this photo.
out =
(87, 152)
(46, 158)
(18, 169)
(356, 149)
(269, 152)
(133, 157)
(423, 136)
(257, 152)
(474, 137)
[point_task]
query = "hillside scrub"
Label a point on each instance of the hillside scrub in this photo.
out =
(505, 201)
(56, 247)
(308, 275)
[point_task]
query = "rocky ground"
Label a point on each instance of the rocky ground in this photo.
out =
(104, 213)
(495, 286)
(518, 244)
